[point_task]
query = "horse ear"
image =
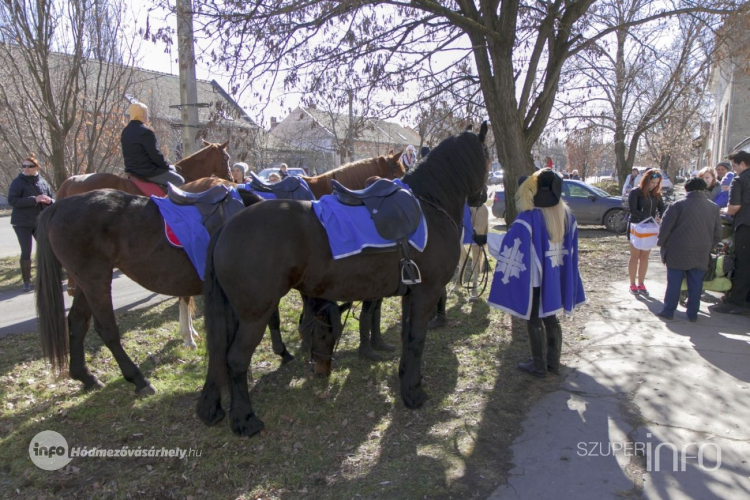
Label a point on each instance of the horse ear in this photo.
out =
(390, 153)
(397, 156)
(224, 146)
(205, 143)
(469, 128)
(483, 131)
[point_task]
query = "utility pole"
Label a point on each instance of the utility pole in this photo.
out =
(188, 87)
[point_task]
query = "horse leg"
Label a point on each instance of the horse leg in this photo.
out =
(242, 417)
(416, 310)
(187, 332)
(274, 324)
(79, 320)
(365, 324)
(106, 326)
(376, 338)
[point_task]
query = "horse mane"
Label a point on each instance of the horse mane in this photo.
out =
(437, 176)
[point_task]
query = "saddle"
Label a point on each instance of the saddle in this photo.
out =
(289, 188)
(216, 205)
(147, 187)
(395, 213)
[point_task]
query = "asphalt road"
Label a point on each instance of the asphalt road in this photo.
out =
(18, 311)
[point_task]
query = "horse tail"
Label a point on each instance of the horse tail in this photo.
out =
(221, 320)
(50, 307)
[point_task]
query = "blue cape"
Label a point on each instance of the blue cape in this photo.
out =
(527, 245)
(468, 226)
(350, 229)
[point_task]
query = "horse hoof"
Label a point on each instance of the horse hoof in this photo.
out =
(212, 416)
(415, 398)
(189, 343)
(148, 390)
(368, 353)
(93, 385)
(247, 426)
(382, 346)
(286, 357)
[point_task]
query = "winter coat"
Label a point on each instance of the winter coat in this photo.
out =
(21, 196)
(714, 191)
(642, 208)
(141, 152)
(690, 229)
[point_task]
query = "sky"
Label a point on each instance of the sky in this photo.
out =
(153, 57)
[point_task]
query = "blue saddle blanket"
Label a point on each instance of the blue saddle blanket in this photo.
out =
(185, 221)
(303, 193)
(350, 229)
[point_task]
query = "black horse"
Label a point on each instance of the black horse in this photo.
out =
(290, 250)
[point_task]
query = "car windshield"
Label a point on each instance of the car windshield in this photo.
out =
(598, 191)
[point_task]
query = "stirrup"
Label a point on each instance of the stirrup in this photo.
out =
(410, 274)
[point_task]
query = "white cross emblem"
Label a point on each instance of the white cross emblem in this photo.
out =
(556, 253)
(511, 262)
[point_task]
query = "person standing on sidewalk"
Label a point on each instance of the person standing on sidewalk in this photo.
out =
(690, 229)
(739, 207)
(29, 194)
(537, 275)
(644, 201)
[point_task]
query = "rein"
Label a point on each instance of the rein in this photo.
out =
(327, 357)
(440, 209)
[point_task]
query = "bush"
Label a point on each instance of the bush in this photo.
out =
(610, 187)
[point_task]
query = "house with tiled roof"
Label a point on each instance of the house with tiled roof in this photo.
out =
(320, 137)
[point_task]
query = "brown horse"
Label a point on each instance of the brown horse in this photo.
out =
(353, 175)
(212, 160)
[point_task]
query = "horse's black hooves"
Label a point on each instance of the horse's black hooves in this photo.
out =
(214, 417)
(286, 357)
(93, 385)
(147, 390)
(369, 354)
(247, 426)
(415, 398)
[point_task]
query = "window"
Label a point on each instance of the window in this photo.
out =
(576, 191)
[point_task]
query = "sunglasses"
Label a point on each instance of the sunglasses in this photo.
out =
(656, 176)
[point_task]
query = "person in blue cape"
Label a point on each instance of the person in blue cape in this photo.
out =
(537, 276)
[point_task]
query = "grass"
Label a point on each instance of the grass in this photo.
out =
(349, 436)
(10, 274)
(343, 437)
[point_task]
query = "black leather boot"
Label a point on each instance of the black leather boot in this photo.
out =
(26, 275)
(376, 337)
(537, 365)
(365, 349)
(439, 319)
(554, 344)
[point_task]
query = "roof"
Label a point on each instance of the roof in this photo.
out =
(311, 124)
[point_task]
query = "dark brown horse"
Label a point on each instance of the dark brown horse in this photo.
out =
(212, 160)
(90, 235)
(353, 175)
(290, 250)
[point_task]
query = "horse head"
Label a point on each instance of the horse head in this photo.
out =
(322, 327)
(211, 160)
(390, 165)
(479, 198)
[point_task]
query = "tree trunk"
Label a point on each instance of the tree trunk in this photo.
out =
(57, 157)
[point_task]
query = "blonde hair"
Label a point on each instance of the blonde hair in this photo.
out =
(556, 218)
(138, 111)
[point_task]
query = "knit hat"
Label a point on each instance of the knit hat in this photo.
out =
(424, 151)
(695, 184)
(542, 189)
(138, 111)
(727, 180)
(242, 166)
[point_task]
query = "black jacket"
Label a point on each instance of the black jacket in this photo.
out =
(642, 208)
(21, 194)
(140, 151)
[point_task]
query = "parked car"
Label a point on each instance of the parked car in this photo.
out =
(263, 174)
(589, 204)
(495, 177)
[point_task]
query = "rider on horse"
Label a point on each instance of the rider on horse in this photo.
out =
(141, 152)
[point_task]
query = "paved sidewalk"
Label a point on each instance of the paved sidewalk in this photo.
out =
(641, 383)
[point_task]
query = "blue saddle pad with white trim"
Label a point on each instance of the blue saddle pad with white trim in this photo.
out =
(351, 230)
